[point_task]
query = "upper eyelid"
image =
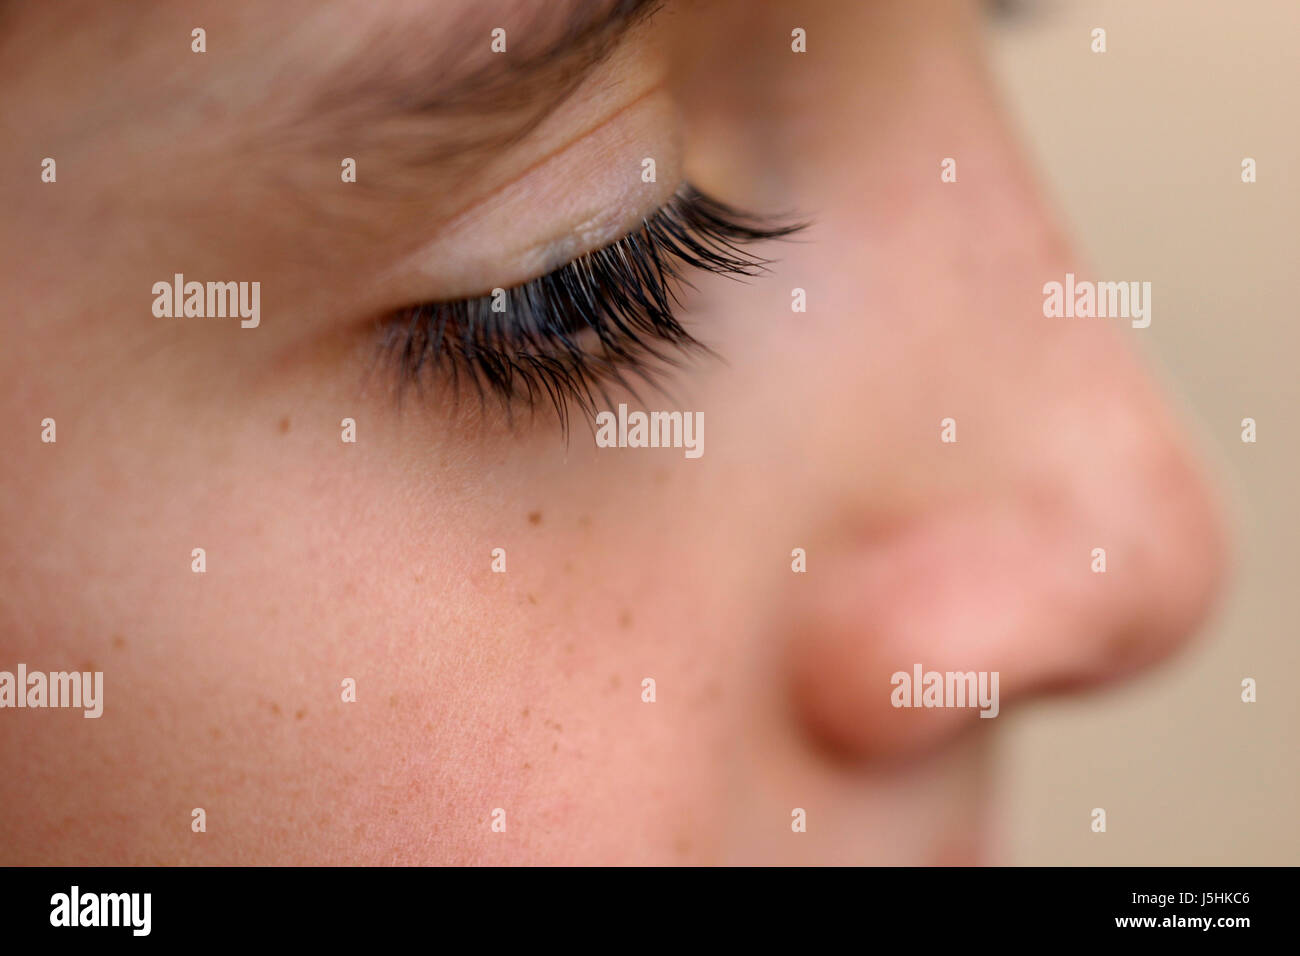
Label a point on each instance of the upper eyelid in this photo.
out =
(586, 190)
(686, 195)
(624, 294)
(462, 214)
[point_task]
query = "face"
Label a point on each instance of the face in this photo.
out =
(647, 671)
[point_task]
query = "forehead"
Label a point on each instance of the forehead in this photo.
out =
(299, 64)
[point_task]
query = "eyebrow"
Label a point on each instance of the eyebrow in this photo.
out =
(487, 101)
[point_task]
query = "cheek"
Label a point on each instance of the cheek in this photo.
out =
(474, 689)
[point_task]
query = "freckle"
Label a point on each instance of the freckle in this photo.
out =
(554, 747)
(215, 732)
(300, 715)
(119, 641)
(275, 709)
(392, 700)
(89, 666)
(531, 599)
(526, 712)
(284, 425)
(568, 648)
(625, 618)
(568, 567)
(534, 517)
(584, 522)
(615, 682)
(528, 766)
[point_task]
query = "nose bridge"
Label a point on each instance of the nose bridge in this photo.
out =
(1065, 536)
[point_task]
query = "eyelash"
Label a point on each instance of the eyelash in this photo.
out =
(620, 299)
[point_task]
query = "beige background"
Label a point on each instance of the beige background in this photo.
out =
(1141, 150)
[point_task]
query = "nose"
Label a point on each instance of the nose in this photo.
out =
(1073, 542)
(1067, 537)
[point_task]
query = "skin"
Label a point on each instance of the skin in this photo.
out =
(522, 690)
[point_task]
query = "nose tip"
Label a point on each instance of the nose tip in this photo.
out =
(1068, 578)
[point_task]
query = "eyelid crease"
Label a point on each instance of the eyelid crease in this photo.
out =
(538, 219)
(465, 211)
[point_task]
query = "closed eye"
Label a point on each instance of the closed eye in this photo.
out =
(602, 319)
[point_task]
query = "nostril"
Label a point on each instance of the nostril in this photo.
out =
(1005, 586)
(1124, 649)
(983, 588)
